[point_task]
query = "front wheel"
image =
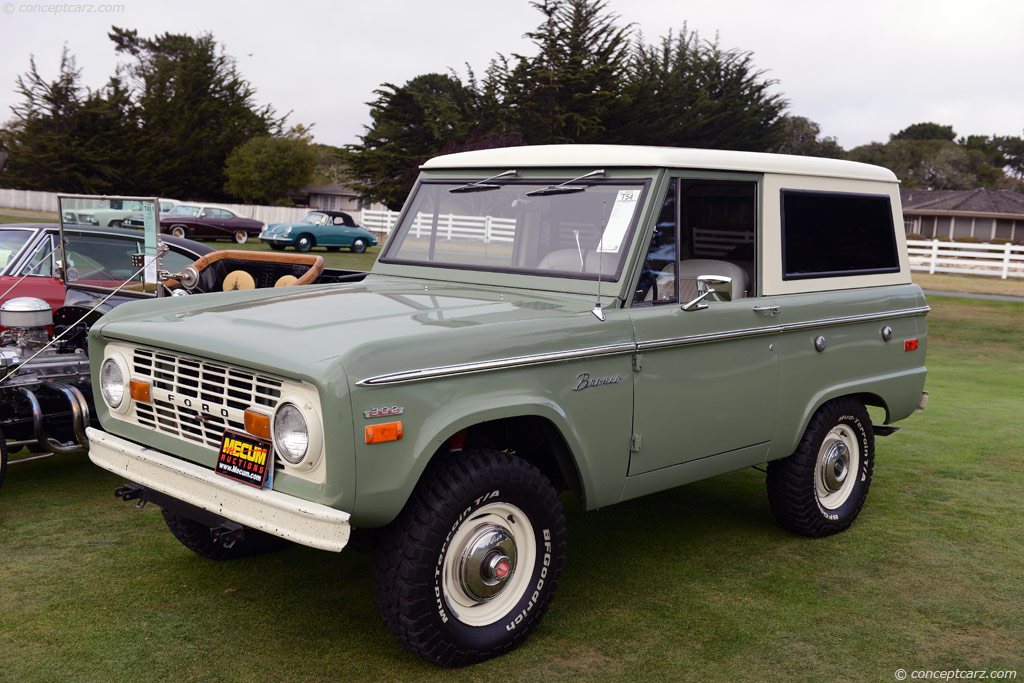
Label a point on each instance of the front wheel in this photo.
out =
(358, 245)
(199, 539)
(304, 243)
(820, 489)
(276, 247)
(241, 236)
(468, 569)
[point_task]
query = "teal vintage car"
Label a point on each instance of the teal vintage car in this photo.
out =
(330, 229)
(600, 320)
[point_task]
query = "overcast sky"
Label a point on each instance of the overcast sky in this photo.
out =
(861, 69)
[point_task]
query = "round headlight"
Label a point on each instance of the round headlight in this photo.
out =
(112, 383)
(291, 436)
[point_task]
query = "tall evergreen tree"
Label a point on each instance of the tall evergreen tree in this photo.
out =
(193, 107)
(65, 137)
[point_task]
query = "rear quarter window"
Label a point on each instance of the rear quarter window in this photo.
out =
(833, 234)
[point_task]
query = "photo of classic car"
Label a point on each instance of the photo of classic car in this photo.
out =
(27, 251)
(330, 229)
(198, 221)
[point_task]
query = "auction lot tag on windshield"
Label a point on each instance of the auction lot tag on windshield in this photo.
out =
(245, 458)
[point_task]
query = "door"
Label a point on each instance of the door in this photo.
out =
(706, 382)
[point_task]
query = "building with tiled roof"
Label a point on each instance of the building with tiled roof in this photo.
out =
(982, 213)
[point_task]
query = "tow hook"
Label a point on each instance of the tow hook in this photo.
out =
(227, 534)
(130, 492)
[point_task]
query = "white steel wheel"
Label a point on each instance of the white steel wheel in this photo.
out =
(821, 487)
(488, 564)
(836, 470)
(178, 231)
(241, 236)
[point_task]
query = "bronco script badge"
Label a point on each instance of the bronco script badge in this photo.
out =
(585, 381)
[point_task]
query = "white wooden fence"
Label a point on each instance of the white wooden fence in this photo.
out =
(932, 256)
(30, 200)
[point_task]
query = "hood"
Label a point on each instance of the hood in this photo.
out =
(378, 326)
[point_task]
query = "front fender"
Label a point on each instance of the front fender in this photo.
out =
(595, 426)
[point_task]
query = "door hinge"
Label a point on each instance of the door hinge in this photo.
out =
(638, 362)
(634, 443)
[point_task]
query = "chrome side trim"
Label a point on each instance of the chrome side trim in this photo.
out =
(706, 338)
(595, 352)
(501, 364)
(847, 320)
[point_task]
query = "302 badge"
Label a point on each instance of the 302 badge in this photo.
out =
(245, 458)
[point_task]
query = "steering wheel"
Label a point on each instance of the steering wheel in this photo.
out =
(232, 269)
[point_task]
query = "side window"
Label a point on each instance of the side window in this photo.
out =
(41, 263)
(706, 227)
(657, 284)
(832, 234)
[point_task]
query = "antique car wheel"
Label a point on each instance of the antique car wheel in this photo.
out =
(276, 247)
(358, 245)
(241, 236)
(470, 566)
(820, 489)
(3, 457)
(198, 538)
(304, 242)
(333, 248)
(179, 231)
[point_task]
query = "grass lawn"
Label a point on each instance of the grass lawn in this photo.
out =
(697, 583)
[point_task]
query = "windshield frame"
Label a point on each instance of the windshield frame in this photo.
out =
(639, 180)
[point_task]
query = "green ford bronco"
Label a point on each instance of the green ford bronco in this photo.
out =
(610, 321)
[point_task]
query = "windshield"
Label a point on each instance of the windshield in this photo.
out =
(184, 210)
(316, 218)
(504, 228)
(11, 242)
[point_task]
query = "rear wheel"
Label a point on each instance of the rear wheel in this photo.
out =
(333, 248)
(199, 539)
(241, 236)
(276, 247)
(819, 489)
(470, 566)
(304, 242)
(359, 245)
(179, 231)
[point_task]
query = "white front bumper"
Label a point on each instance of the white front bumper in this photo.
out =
(297, 520)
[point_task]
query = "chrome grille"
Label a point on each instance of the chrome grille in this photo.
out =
(197, 399)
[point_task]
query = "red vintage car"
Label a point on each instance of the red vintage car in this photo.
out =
(198, 221)
(29, 263)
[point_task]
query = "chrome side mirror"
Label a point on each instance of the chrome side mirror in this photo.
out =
(718, 287)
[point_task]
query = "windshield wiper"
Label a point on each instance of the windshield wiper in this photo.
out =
(565, 188)
(481, 185)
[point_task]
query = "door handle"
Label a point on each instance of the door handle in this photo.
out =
(770, 311)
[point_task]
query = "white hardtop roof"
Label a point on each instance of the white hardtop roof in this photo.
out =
(602, 156)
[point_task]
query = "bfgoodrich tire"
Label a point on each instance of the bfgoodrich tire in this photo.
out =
(470, 566)
(199, 539)
(819, 489)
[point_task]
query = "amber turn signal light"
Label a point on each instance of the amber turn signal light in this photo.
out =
(257, 423)
(389, 431)
(139, 390)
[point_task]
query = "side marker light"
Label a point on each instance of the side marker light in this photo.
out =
(389, 431)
